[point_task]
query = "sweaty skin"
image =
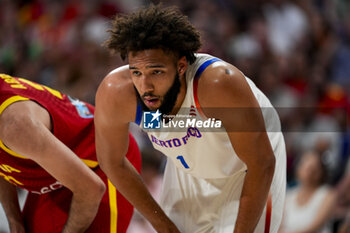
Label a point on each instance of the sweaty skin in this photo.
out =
(115, 108)
(221, 86)
(25, 128)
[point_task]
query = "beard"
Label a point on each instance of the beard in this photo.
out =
(169, 99)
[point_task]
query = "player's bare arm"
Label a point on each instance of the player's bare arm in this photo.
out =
(9, 201)
(115, 108)
(25, 128)
(224, 84)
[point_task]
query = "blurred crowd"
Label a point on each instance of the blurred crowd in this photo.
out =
(296, 51)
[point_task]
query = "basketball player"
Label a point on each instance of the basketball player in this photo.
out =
(223, 182)
(47, 147)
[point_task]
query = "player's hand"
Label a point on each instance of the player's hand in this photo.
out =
(17, 228)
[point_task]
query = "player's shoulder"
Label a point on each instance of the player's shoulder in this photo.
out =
(18, 109)
(221, 81)
(19, 115)
(220, 74)
(117, 85)
(117, 79)
(116, 94)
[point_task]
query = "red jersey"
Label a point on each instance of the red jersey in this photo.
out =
(72, 122)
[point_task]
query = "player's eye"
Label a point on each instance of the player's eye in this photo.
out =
(157, 72)
(136, 73)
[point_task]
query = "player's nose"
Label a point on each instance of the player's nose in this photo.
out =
(146, 84)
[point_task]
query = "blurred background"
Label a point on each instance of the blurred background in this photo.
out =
(296, 51)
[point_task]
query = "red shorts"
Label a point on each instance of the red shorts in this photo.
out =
(47, 213)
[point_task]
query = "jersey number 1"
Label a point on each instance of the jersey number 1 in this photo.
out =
(182, 160)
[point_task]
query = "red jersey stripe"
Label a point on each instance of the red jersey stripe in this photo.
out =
(268, 214)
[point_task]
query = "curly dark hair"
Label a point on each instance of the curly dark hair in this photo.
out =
(152, 28)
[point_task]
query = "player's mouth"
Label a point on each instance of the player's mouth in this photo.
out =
(151, 101)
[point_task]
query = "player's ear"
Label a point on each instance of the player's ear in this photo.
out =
(182, 65)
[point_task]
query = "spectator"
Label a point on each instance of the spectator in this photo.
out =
(309, 206)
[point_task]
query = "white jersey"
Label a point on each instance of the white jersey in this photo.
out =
(299, 217)
(206, 163)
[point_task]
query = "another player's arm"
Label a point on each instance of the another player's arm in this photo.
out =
(9, 201)
(25, 129)
(224, 84)
(115, 108)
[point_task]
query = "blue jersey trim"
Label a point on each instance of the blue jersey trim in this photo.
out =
(138, 113)
(205, 65)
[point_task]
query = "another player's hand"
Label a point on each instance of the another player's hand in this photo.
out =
(17, 227)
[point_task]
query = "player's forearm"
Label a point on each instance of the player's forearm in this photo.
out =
(253, 198)
(9, 201)
(82, 212)
(84, 206)
(130, 184)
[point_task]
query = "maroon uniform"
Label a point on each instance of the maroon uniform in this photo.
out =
(47, 205)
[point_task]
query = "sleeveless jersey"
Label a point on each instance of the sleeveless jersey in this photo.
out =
(203, 181)
(72, 123)
(205, 153)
